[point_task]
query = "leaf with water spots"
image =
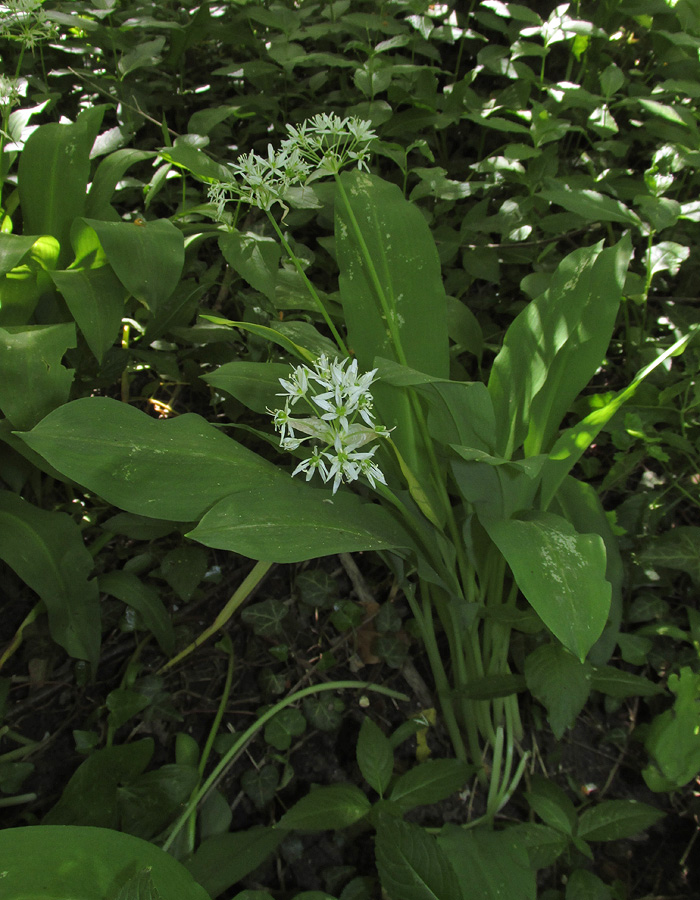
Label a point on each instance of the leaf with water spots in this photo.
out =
(560, 572)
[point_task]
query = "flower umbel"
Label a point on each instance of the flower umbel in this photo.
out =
(336, 396)
(319, 146)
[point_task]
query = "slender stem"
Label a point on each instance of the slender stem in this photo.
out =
(252, 580)
(211, 737)
(250, 732)
(311, 289)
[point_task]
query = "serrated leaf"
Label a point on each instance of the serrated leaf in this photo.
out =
(551, 804)
(411, 864)
(561, 682)
(615, 819)
(618, 683)
(332, 807)
(375, 756)
(430, 782)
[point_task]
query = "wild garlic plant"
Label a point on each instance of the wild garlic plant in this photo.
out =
(481, 521)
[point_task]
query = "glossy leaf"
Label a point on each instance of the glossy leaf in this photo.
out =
(95, 298)
(255, 257)
(256, 385)
(168, 469)
(54, 170)
(553, 348)
(146, 258)
(291, 522)
(560, 572)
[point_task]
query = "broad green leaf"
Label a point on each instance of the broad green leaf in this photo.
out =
(412, 865)
(90, 797)
(593, 206)
(266, 617)
(107, 175)
(46, 549)
(490, 865)
(54, 170)
(615, 819)
(53, 862)
(255, 257)
(677, 549)
(290, 521)
(672, 739)
(147, 258)
(554, 347)
(558, 680)
(222, 861)
(168, 469)
(560, 572)
(255, 384)
(580, 504)
(30, 357)
(139, 887)
(95, 298)
(393, 298)
(551, 804)
(13, 247)
(332, 807)
(270, 334)
(429, 782)
(144, 599)
(375, 756)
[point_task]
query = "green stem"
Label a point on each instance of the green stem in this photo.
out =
(311, 289)
(250, 732)
(211, 737)
(252, 580)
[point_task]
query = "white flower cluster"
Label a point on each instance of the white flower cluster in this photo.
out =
(25, 21)
(321, 145)
(336, 396)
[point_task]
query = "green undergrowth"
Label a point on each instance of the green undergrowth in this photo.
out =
(349, 516)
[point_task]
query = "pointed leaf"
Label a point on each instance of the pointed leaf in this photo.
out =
(46, 550)
(412, 865)
(560, 572)
(168, 469)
